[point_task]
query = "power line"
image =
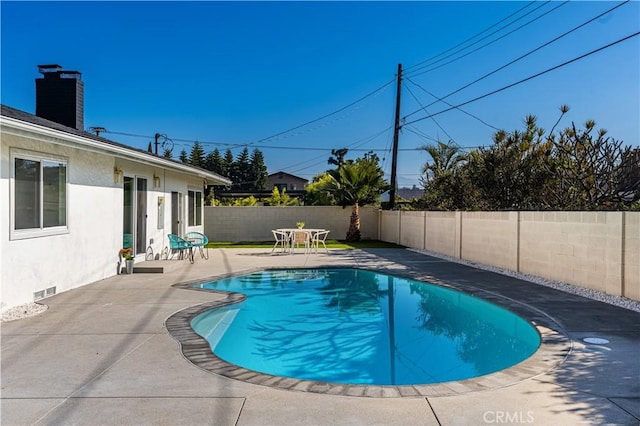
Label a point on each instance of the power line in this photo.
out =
(528, 78)
(352, 147)
(416, 73)
(521, 57)
(442, 100)
(470, 38)
(434, 120)
(384, 86)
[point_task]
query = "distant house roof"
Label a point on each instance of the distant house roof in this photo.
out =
(15, 116)
(285, 175)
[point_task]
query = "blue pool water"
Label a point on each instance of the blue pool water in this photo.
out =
(361, 327)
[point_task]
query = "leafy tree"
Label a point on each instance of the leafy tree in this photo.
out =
(167, 153)
(577, 169)
(511, 173)
(357, 183)
(216, 163)
(281, 198)
(593, 171)
(339, 156)
(184, 157)
(259, 173)
(236, 202)
(317, 194)
(197, 155)
(445, 157)
(242, 170)
(228, 165)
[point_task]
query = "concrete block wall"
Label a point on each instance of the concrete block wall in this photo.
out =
(596, 250)
(255, 223)
(443, 232)
(412, 229)
(582, 248)
(631, 271)
(491, 238)
(389, 226)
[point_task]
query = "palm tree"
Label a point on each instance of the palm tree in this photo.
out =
(445, 157)
(357, 183)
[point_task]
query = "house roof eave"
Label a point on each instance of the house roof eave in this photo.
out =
(21, 128)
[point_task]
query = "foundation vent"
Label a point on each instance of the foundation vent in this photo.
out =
(44, 293)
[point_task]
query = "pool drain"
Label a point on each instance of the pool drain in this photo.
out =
(595, 340)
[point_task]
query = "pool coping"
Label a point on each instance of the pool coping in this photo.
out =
(555, 345)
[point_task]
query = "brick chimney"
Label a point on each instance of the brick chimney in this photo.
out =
(60, 96)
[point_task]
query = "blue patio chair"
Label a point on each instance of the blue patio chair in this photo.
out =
(180, 245)
(198, 239)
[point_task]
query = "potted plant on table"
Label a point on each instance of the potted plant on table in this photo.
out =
(300, 225)
(127, 255)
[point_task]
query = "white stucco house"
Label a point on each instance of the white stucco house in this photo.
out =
(71, 200)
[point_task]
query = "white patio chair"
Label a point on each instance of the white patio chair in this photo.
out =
(319, 238)
(282, 238)
(301, 237)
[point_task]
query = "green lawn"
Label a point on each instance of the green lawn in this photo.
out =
(330, 244)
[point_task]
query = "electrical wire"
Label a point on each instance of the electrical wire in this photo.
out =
(379, 89)
(443, 101)
(417, 73)
(434, 120)
(352, 147)
(522, 56)
(407, 69)
(528, 78)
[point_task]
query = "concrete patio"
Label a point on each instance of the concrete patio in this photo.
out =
(102, 355)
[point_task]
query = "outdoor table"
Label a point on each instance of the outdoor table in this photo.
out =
(291, 232)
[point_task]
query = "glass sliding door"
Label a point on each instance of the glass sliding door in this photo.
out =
(141, 215)
(177, 213)
(127, 226)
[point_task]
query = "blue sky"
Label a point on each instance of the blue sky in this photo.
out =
(234, 74)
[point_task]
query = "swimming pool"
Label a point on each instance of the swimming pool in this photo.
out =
(361, 327)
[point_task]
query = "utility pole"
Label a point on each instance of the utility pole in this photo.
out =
(396, 134)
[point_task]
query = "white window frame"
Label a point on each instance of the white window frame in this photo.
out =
(19, 234)
(194, 224)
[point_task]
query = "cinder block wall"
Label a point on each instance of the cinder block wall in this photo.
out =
(412, 230)
(582, 248)
(632, 255)
(389, 226)
(255, 223)
(491, 238)
(443, 232)
(596, 250)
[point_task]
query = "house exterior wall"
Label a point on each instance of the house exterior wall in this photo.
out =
(290, 182)
(88, 251)
(255, 223)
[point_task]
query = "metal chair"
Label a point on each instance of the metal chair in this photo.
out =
(198, 239)
(301, 237)
(319, 238)
(282, 239)
(180, 245)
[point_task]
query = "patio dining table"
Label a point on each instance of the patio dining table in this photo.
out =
(291, 232)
